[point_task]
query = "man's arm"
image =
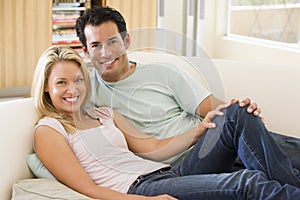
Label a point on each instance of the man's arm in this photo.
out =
(161, 149)
(211, 102)
(208, 104)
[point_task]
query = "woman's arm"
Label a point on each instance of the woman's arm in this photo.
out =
(59, 159)
(161, 149)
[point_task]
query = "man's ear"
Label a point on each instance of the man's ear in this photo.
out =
(127, 41)
(86, 52)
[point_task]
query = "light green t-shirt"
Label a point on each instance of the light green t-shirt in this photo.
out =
(159, 99)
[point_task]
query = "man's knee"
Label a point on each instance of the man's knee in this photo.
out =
(235, 109)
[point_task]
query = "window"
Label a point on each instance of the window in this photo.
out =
(271, 20)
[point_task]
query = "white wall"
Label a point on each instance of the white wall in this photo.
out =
(208, 41)
(175, 20)
(173, 13)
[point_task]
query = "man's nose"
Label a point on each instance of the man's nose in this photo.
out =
(104, 51)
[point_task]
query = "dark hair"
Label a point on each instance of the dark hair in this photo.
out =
(96, 16)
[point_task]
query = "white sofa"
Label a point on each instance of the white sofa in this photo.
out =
(274, 88)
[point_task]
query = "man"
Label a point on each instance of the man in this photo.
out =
(158, 99)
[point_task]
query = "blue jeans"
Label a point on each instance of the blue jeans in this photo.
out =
(205, 173)
(290, 145)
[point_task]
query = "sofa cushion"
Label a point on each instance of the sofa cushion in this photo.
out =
(44, 189)
(37, 167)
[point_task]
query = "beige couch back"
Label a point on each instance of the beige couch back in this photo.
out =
(276, 88)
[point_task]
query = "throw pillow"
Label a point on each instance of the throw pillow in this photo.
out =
(37, 167)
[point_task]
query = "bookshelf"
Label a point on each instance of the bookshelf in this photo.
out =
(64, 15)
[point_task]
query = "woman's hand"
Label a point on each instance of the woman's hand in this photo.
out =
(163, 197)
(160, 197)
(139, 197)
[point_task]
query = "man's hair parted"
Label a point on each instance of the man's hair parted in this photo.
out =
(96, 16)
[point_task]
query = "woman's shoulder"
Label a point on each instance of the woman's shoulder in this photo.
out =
(47, 121)
(52, 123)
(102, 113)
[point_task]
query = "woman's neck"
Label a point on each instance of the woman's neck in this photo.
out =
(83, 121)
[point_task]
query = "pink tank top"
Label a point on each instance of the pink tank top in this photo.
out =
(103, 152)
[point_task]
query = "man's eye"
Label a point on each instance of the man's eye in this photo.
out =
(95, 45)
(112, 42)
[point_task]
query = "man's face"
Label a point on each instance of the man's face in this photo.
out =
(107, 50)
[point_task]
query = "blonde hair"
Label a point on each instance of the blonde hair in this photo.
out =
(42, 101)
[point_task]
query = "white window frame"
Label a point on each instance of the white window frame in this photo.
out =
(229, 46)
(272, 43)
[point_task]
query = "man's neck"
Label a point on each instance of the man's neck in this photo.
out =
(129, 71)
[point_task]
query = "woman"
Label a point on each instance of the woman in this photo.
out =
(93, 151)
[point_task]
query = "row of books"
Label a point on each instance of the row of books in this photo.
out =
(63, 23)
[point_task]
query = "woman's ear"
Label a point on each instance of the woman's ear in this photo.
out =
(46, 89)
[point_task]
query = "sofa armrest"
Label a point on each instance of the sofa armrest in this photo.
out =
(17, 122)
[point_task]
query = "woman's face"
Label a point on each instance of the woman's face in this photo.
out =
(66, 87)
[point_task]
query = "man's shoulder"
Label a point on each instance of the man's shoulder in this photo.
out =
(92, 72)
(94, 77)
(157, 66)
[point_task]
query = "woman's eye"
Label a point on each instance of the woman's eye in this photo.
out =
(61, 82)
(79, 80)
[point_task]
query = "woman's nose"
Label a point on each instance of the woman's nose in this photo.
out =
(71, 88)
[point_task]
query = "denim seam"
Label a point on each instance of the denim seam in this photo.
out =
(253, 152)
(248, 146)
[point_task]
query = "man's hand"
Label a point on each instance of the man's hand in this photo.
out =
(253, 107)
(207, 122)
(211, 102)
